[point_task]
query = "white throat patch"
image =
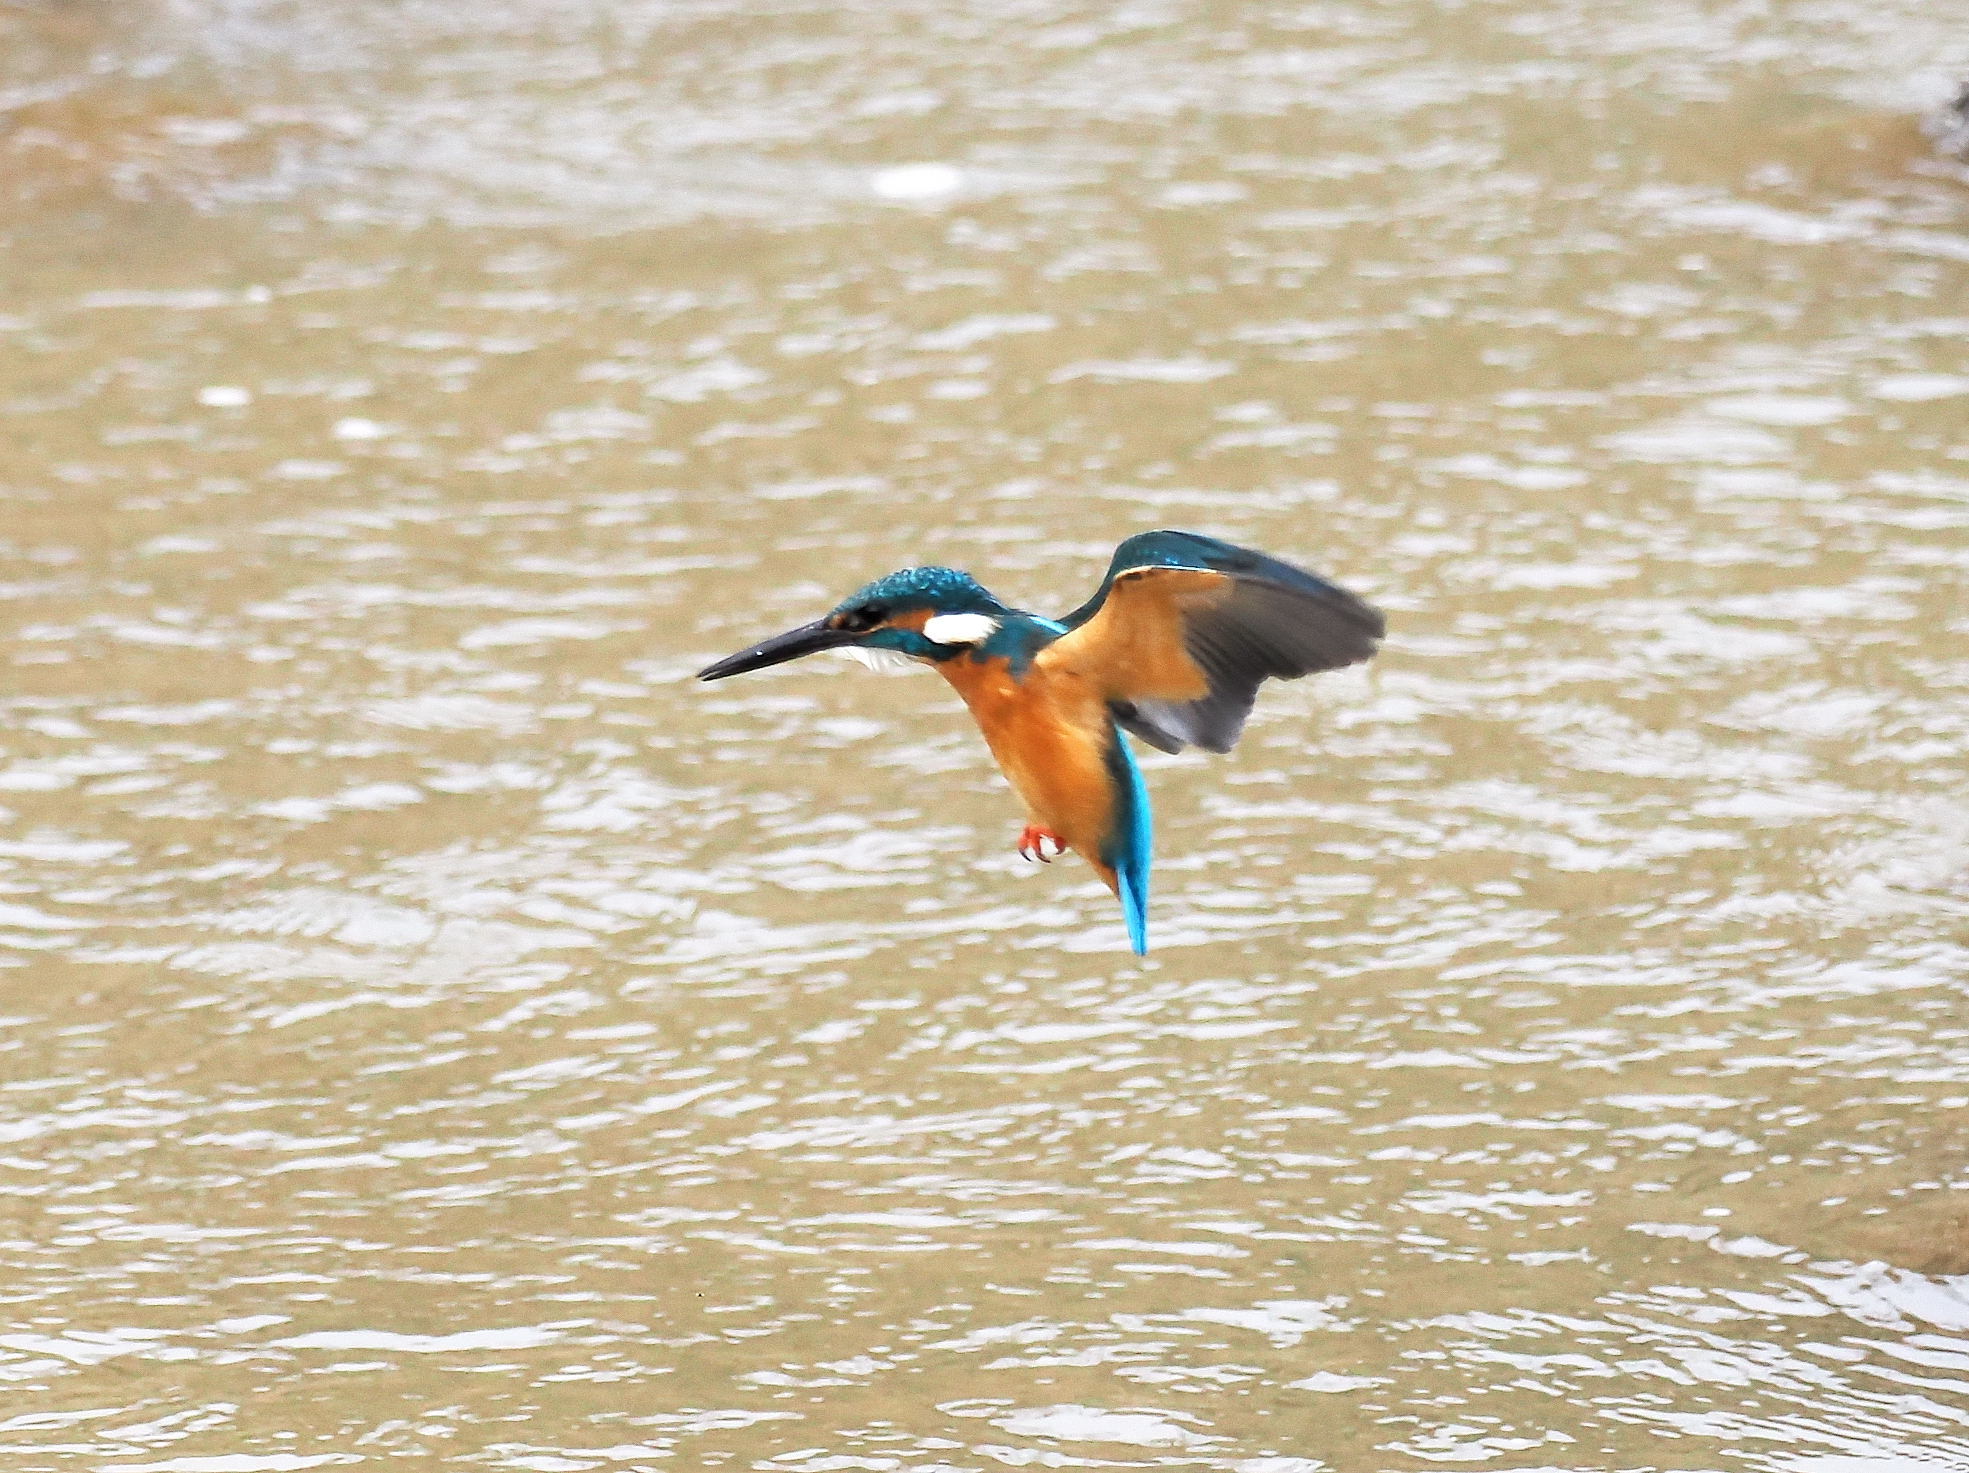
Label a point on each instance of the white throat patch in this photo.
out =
(960, 628)
(879, 659)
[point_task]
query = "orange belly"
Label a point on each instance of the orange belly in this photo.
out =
(1049, 733)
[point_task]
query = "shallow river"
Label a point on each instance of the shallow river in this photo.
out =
(435, 1030)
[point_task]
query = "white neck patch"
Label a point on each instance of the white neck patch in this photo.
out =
(960, 628)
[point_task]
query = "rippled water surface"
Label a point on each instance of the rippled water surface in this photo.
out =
(437, 1031)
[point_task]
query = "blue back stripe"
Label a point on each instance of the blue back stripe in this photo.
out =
(1130, 844)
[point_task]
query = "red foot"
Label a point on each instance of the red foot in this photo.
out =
(1040, 844)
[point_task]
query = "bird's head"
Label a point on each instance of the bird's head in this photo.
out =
(918, 613)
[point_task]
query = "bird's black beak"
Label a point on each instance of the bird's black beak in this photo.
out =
(808, 639)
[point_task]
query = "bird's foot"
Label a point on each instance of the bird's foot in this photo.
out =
(1040, 844)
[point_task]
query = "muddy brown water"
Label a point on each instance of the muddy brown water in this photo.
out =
(434, 1031)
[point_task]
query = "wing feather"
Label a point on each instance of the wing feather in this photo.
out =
(1185, 629)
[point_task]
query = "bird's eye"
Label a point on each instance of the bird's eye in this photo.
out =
(864, 616)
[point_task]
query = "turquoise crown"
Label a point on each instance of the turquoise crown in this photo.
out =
(946, 590)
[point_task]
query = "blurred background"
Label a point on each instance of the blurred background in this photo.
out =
(434, 1028)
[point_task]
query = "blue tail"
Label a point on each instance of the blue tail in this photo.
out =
(1130, 842)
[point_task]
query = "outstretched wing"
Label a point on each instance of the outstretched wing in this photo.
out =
(1184, 629)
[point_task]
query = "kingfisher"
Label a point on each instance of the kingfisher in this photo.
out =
(1171, 649)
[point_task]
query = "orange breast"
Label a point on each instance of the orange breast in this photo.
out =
(1049, 733)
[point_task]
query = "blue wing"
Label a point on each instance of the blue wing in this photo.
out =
(1184, 629)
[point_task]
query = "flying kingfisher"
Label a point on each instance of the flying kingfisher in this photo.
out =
(1171, 648)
